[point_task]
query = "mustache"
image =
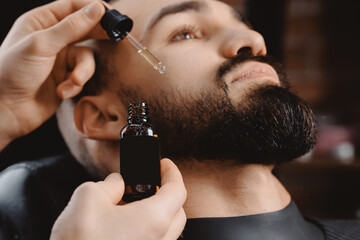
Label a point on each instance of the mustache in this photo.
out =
(244, 55)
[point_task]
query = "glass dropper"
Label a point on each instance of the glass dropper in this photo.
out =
(146, 54)
(118, 27)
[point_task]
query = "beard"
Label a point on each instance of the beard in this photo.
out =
(271, 125)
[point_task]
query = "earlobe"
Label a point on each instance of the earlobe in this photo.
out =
(96, 119)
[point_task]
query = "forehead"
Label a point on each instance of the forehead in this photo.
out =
(143, 12)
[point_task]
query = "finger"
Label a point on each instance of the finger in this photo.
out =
(177, 226)
(113, 186)
(82, 61)
(111, 189)
(60, 70)
(73, 27)
(51, 13)
(67, 89)
(47, 16)
(172, 194)
(87, 190)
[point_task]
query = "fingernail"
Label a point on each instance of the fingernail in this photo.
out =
(114, 177)
(66, 91)
(92, 10)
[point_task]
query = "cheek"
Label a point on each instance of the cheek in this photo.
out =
(190, 69)
(134, 71)
(187, 70)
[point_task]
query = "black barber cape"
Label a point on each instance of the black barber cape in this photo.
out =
(285, 224)
(33, 194)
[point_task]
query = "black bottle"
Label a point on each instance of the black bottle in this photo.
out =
(139, 155)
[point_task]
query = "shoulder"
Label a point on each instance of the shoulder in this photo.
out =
(21, 182)
(33, 194)
(338, 229)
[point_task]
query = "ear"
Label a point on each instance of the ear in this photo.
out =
(99, 117)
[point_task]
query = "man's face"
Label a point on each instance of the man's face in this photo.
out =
(192, 39)
(216, 81)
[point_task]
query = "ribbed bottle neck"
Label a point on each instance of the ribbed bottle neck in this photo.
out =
(138, 113)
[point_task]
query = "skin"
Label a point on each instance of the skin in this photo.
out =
(160, 216)
(226, 189)
(42, 39)
(39, 67)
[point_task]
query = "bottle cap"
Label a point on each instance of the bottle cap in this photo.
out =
(116, 25)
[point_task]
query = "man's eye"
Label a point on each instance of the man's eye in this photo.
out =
(185, 34)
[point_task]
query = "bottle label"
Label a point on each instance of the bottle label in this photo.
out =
(140, 160)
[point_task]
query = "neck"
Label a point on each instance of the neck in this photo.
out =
(225, 189)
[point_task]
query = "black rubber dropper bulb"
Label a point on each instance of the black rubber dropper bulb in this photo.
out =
(116, 25)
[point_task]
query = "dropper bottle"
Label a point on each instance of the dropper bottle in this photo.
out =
(118, 27)
(139, 155)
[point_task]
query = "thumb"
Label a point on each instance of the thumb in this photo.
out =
(108, 191)
(113, 186)
(75, 26)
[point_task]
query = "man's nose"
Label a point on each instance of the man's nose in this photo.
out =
(235, 40)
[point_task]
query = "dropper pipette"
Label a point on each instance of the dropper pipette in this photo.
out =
(146, 54)
(118, 27)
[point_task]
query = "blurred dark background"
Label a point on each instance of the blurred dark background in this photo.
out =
(318, 43)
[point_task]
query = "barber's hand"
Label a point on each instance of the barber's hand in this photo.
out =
(93, 213)
(39, 66)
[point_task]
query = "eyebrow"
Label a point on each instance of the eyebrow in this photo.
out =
(178, 8)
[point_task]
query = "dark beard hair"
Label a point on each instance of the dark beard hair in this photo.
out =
(270, 126)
